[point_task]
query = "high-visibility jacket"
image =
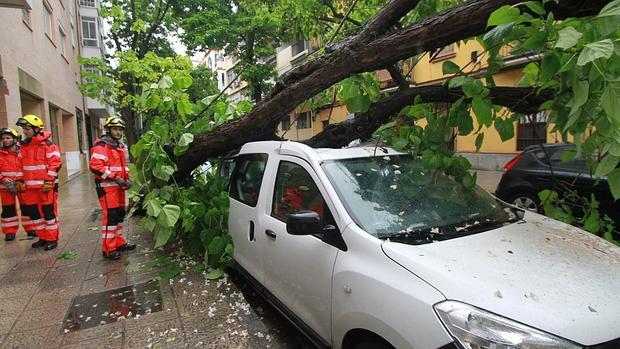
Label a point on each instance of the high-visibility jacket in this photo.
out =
(10, 164)
(108, 161)
(40, 160)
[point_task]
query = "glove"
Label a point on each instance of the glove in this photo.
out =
(6, 180)
(20, 186)
(47, 186)
(121, 182)
(10, 186)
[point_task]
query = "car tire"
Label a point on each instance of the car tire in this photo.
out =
(526, 200)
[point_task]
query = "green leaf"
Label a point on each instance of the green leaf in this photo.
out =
(592, 223)
(214, 274)
(496, 35)
(596, 50)
(153, 207)
(186, 139)
(358, 104)
(469, 181)
(503, 15)
(165, 82)
(148, 223)
(607, 164)
(162, 236)
(484, 110)
(568, 37)
(505, 128)
(217, 245)
(169, 215)
(536, 7)
(479, 139)
(611, 9)
(610, 101)
(68, 255)
(613, 178)
(581, 90)
(473, 88)
(458, 81)
(184, 107)
(163, 172)
(166, 192)
(450, 67)
(551, 64)
(400, 143)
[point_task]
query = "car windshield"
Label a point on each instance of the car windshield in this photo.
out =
(394, 197)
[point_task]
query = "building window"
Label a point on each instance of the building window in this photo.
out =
(26, 17)
(72, 36)
(88, 3)
(89, 31)
(91, 70)
(231, 77)
(61, 42)
(47, 19)
(532, 129)
(286, 123)
(298, 48)
(444, 53)
(303, 120)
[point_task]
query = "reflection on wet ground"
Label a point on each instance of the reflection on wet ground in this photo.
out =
(110, 306)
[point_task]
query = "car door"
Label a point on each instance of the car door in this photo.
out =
(298, 269)
(244, 191)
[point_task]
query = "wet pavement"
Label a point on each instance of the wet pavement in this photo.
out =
(72, 298)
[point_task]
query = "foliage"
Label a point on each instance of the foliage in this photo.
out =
(583, 212)
(67, 255)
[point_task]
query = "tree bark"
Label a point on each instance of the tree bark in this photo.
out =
(521, 100)
(364, 52)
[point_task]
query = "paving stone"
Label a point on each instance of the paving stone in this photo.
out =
(111, 332)
(166, 334)
(10, 308)
(50, 314)
(40, 338)
(18, 289)
(99, 343)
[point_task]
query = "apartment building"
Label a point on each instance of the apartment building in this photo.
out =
(40, 42)
(223, 66)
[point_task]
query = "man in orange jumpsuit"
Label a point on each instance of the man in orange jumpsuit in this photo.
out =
(40, 165)
(11, 177)
(108, 162)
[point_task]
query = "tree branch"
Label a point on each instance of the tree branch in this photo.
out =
(364, 124)
(398, 77)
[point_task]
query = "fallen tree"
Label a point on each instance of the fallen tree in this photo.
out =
(377, 46)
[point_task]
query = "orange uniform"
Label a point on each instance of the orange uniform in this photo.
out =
(40, 164)
(11, 171)
(108, 162)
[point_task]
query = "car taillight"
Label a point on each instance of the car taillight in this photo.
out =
(511, 163)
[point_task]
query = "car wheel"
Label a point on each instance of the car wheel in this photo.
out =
(526, 201)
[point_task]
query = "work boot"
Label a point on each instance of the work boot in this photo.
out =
(112, 255)
(39, 243)
(31, 235)
(126, 247)
(11, 237)
(50, 245)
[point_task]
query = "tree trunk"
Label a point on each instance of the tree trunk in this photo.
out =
(367, 51)
(127, 113)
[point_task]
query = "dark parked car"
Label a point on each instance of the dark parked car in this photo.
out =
(529, 172)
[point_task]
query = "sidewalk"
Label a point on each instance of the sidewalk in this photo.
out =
(86, 301)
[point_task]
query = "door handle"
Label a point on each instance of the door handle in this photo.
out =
(270, 233)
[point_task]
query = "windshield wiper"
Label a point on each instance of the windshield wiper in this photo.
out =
(450, 231)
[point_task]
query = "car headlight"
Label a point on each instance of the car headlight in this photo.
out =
(475, 328)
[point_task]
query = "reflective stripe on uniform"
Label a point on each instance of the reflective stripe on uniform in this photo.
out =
(51, 227)
(108, 236)
(108, 184)
(15, 174)
(9, 224)
(34, 182)
(109, 227)
(106, 174)
(52, 173)
(35, 167)
(9, 219)
(99, 156)
(52, 154)
(114, 168)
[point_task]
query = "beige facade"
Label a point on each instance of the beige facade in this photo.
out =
(40, 75)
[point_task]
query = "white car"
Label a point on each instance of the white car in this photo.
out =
(363, 248)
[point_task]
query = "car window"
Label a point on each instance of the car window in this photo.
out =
(577, 163)
(295, 191)
(247, 177)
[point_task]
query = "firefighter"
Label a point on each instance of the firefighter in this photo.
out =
(11, 177)
(40, 165)
(108, 162)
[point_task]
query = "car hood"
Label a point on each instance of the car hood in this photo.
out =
(540, 272)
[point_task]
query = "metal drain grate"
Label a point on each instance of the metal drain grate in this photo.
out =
(107, 307)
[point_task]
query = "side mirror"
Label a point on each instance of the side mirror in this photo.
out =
(304, 223)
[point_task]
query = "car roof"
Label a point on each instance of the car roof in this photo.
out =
(318, 154)
(549, 146)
